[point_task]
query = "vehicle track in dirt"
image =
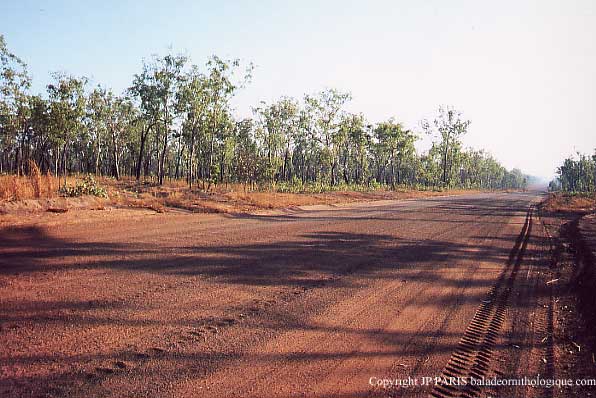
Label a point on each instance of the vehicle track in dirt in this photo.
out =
(472, 359)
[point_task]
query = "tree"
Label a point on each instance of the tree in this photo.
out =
(577, 175)
(221, 89)
(447, 132)
(97, 114)
(246, 156)
(353, 140)
(155, 88)
(14, 83)
(394, 146)
(277, 125)
(121, 118)
(42, 142)
(67, 110)
(176, 119)
(192, 102)
(326, 107)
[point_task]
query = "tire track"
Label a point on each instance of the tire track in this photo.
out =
(472, 358)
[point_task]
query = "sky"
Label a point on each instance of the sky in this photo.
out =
(523, 72)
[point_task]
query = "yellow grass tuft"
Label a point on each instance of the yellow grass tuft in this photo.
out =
(49, 182)
(35, 178)
(33, 186)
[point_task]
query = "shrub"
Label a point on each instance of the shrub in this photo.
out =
(86, 187)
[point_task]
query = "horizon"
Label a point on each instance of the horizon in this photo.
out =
(532, 70)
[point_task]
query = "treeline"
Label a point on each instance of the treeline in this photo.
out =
(176, 121)
(576, 175)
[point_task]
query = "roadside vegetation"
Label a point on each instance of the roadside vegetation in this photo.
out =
(576, 175)
(574, 188)
(175, 123)
(567, 216)
(564, 202)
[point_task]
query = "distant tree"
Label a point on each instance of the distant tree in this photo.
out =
(448, 130)
(554, 185)
(177, 119)
(67, 110)
(276, 130)
(578, 175)
(193, 102)
(156, 89)
(326, 107)
(14, 110)
(395, 146)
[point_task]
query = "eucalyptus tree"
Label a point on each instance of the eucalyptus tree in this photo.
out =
(144, 89)
(96, 120)
(393, 147)
(226, 144)
(306, 146)
(447, 129)
(352, 142)
(359, 139)
(402, 152)
(515, 178)
(168, 77)
(193, 102)
(221, 87)
(594, 168)
(472, 168)
(246, 153)
(288, 109)
(326, 107)
(122, 116)
(155, 89)
(14, 110)
(278, 124)
(578, 175)
(430, 174)
(67, 111)
(43, 142)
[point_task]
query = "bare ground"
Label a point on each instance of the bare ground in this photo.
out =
(306, 302)
(567, 220)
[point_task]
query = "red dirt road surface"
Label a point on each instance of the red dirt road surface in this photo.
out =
(325, 302)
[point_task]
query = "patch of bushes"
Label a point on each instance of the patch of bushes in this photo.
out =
(296, 186)
(86, 187)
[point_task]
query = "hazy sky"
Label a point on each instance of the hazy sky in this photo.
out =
(524, 72)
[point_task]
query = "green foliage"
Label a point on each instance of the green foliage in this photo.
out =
(447, 132)
(88, 186)
(176, 120)
(321, 187)
(576, 175)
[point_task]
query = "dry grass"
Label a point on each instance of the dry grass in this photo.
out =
(33, 186)
(235, 198)
(175, 195)
(563, 202)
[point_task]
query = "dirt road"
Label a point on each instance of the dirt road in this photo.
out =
(325, 302)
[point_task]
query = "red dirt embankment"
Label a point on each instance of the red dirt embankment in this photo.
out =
(568, 220)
